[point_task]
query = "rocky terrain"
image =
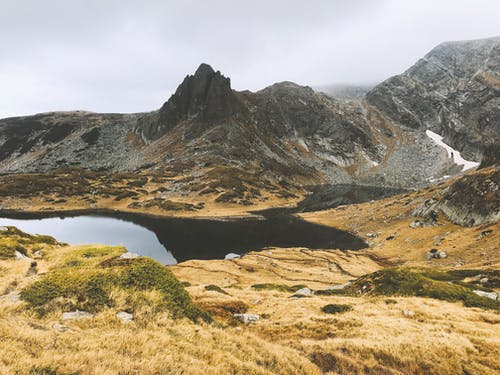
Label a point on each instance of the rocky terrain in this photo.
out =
(285, 135)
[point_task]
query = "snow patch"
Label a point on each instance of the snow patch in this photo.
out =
(457, 158)
(303, 144)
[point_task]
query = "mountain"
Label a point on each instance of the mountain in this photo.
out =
(285, 134)
(454, 91)
(345, 91)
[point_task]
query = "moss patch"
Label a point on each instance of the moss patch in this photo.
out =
(442, 285)
(278, 287)
(90, 288)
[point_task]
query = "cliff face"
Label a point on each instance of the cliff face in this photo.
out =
(285, 132)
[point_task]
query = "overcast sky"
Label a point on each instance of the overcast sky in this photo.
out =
(128, 56)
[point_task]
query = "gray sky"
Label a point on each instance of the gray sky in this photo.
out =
(128, 56)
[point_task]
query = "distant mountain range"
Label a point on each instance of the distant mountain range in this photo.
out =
(286, 132)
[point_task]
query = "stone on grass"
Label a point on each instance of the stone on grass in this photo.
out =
(435, 254)
(247, 318)
(76, 315)
(129, 255)
(491, 295)
(303, 292)
(125, 317)
(409, 313)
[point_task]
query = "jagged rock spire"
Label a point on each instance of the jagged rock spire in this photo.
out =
(205, 97)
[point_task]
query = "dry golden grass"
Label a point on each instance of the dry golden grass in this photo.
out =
(65, 197)
(293, 335)
(392, 217)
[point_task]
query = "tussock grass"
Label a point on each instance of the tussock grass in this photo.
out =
(79, 282)
(13, 240)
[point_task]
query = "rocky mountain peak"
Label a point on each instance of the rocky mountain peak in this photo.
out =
(204, 70)
(205, 98)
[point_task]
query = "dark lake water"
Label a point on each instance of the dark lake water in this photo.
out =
(172, 240)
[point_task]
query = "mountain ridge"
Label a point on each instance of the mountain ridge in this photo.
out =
(284, 132)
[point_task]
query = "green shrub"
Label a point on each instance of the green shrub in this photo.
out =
(215, 288)
(336, 309)
(278, 287)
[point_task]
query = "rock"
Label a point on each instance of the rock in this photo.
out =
(339, 286)
(415, 224)
(477, 278)
(247, 318)
(4, 229)
(389, 238)
(232, 256)
(76, 315)
(441, 255)
(303, 292)
(205, 97)
(371, 235)
(408, 313)
(125, 317)
(37, 254)
(484, 233)
(431, 254)
(490, 295)
(20, 256)
(435, 254)
(129, 255)
(484, 280)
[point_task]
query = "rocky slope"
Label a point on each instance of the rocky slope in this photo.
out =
(284, 134)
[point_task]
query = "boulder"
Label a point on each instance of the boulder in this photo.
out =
(435, 254)
(125, 317)
(484, 233)
(129, 255)
(303, 292)
(491, 295)
(232, 256)
(415, 224)
(76, 315)
(247, 318)
(408, 313)
(441, 255)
